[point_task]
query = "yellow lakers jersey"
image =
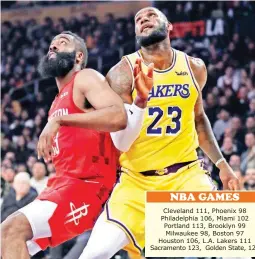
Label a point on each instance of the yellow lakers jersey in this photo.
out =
(168, 134)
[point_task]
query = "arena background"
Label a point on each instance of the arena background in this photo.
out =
(221, 33)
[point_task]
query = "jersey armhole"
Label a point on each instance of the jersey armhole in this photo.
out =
(192, 75)
(131, 69)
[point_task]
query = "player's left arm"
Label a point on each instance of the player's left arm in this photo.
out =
(206, 138)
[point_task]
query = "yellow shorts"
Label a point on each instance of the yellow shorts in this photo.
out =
(126, 206)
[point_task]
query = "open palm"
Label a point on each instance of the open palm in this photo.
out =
(143, 82)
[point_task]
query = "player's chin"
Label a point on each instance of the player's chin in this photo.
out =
(147, 32)
(52, 57)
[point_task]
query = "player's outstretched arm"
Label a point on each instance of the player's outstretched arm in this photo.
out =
(207, 140)
(121, 78)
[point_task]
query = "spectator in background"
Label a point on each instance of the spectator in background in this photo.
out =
(228, 80)
(221, 124)
(251, 111)
(224, 103)
(38, 125)
(22, 152)
(228, 148)
(19, 196)
(10, 156)
(248, 157)
(242, 103)
(2, 190)
(6, 147)
(7, 163)
(211, 108)
(251, 89)
(30, 139)
(26, 120)
(201, 12)
(21, 168)
(249, 179)
(8, 175)
(39, 179)
(250, 124)
(30, 163)
(218, 12)
(243, 77)
(235, 162)
(179, 15)
(237, 132)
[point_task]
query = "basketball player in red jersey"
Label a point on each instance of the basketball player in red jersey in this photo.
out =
(83, 154)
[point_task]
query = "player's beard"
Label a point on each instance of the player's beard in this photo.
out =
(156, 36)
(58, 66)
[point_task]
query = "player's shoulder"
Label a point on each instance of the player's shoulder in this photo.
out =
(196, 63)
(120, 75)
(198, 68)
(122, 67)
(88, 73)
(86, 78)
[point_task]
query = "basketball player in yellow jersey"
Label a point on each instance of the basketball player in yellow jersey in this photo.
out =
(163, 156)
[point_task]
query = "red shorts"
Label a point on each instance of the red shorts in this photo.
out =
(79, 204)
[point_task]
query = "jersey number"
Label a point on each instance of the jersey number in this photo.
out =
(173, 112)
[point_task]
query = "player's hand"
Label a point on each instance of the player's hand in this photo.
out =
(44, 146)
(228, 177)
(143, 82)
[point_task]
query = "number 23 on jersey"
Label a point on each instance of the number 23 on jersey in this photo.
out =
(173, 112)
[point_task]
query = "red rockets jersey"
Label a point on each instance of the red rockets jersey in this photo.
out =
(79, 152)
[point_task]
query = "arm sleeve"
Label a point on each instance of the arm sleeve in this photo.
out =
(123, 139)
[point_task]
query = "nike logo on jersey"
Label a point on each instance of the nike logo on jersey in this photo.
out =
(182, 73)
(63, 95)
(131, 112)
(76, 214)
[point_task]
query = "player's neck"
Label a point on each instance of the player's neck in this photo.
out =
(62, 81)
(159, 53)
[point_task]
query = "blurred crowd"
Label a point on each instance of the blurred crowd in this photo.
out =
(24, 43)
(21, 4)
(229, 95)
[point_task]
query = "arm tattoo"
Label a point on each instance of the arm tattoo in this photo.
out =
(120, 79)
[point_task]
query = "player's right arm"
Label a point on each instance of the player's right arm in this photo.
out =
(108, 115)
(120, 78)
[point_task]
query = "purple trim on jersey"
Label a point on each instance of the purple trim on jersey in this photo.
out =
(129, 62)
(168, 69)
(191, 73)
(122, 225)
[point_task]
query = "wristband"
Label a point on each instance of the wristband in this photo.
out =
(219, 161)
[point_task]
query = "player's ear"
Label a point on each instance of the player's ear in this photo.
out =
(79, 57)
(170, 26)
